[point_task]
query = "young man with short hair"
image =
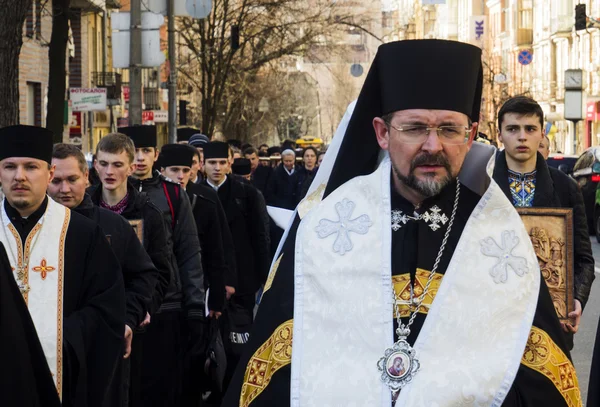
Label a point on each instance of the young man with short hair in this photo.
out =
(182, 309)
(248, 223)
(141, 265)
(523, 175)
(66, 271)
(260, 174)
(217, 251)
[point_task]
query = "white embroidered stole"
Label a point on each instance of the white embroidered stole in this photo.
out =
(472, 341)
(38, 268)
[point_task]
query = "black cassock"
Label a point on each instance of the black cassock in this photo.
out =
(26, 379)
(93, 310)
(415, 246)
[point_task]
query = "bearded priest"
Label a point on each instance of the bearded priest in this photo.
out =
(406, 276)
(65, 270)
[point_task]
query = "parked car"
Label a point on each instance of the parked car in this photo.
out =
(561, 162)
(586, 172)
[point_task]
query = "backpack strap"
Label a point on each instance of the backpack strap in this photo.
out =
(172, 192)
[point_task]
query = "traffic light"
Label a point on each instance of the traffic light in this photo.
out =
(235, 37)
(580, 17)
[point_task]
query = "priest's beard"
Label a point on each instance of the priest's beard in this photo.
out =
(429, 186)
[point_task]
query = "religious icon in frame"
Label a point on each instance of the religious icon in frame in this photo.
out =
(138, 228)
(551, 233)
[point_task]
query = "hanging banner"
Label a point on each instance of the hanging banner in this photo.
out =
(478, 30)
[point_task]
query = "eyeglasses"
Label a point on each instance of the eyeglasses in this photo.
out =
(418, 134)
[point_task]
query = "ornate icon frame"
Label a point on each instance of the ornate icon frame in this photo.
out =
(560, 222)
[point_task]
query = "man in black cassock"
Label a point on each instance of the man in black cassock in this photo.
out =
(247, 219)
(428, 238)
(181, 313)
(65, 270)
(142, 258)
(215, 242)
(29, 382)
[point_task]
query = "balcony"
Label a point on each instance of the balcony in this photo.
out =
(151, 99)
(89, 5)
(524, 36)
(109, 80)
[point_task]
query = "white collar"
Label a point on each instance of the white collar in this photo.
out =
(216, 187)
(286, 170)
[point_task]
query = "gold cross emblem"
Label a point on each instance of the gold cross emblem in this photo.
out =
(43, 269)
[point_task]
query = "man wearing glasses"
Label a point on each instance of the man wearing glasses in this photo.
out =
(406, 249)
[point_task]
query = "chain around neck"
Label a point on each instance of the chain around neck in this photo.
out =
(404, 330)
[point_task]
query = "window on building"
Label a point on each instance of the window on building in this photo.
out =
(34, 104)
(526, 14)
(30, 21)
(38, 19)
(505, 18)
(33, 20)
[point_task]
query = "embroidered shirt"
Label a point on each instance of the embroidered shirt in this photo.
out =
(119, 208)
(522, 188)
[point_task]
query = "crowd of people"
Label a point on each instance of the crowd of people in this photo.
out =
(406, 278)
(186, 225)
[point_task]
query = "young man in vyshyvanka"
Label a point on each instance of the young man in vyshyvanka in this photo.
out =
(406, 248)
(65, 269)
(522, 173)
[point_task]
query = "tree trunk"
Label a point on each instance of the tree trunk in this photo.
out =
(57, 78)
(12, 18)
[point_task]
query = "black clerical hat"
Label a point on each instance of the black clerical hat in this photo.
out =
(414, 74)
(142, 136)
(184, 133)
(241, 166)
(26, 141)
(216, 149)
(176, 154)
(273, 150)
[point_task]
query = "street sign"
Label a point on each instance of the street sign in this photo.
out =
(152, 56)
(88, 99)
(160, 116)
(525, 57)
(147, 116)
(356, 70)
(198, 8)
(478, 30)
(574, 105)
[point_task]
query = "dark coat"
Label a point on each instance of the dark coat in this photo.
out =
(94, 315)
(249, 226)
(187, 279)
(260, 178)
(554, 189)
(304, 178)
(154, 240)
(139, 272)
(281, 189)
(210, 222)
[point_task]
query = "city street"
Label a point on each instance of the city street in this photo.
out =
(584, 340)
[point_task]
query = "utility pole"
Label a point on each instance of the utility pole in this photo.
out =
(172, 73)
(135, 64)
